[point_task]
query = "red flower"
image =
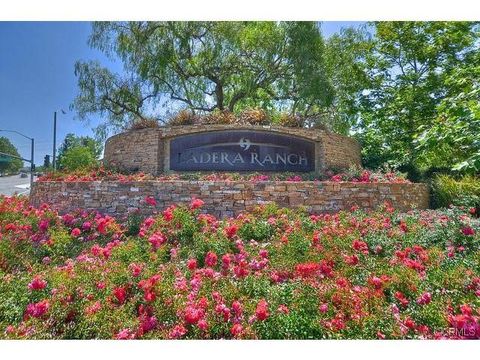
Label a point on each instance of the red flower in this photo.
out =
(211, 259)
(409, 323)
(226, 261)
(401, 298)
(150, 200)
(120, 294)
(351, 260)
(261, 312)
(307, 269)
(193, 315)
(236, 330)
(76, 232)
(168, 213)
(192, 264)
(360, 245)
(196, 203)
(231, 230)
(37, 283)
(237, 308)
(37, 309)
(468, 231)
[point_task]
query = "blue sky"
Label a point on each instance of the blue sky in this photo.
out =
(37, 77)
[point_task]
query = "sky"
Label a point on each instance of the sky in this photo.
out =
(37, 78)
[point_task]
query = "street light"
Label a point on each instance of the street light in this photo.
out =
(31, 161)
(54, 161)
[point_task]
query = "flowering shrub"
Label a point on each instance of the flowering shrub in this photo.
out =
(353, 175)
(271, 273)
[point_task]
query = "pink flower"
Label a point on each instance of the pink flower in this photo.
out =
(37, 283)
(323, 308)
(376, 282)
(424, 299)
(86, 226)
(177, 332)
(125, 334)
(202, 325)
(156, 240)
(92, 309)
(149, 295)
(135, 269)
(147, 323)
(150, 200)
(76, 232)
(196, 203)
(211, 259)
(283, 309)
(44, 224)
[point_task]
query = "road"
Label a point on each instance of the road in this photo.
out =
(10, 185)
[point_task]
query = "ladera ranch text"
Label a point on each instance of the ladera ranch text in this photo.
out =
(223, 157)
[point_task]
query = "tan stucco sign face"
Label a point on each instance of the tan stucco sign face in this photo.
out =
(241, 150)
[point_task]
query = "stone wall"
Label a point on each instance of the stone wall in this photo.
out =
(147, 150)
(227, 198)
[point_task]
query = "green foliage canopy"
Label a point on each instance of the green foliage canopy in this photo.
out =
(204, 66)
(408, 69)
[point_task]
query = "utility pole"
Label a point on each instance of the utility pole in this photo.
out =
(32, 165)
(54, 162)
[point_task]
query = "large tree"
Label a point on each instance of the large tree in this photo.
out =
(7, 163)
(453, 139)
(408, 67)
(203, 66)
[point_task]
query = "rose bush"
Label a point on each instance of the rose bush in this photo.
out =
(270, 274)
(353, 174)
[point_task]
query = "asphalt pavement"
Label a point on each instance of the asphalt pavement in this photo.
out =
(10, 185)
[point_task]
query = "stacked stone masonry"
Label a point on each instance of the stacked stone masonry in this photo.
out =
(227, 198)
(147, 150)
